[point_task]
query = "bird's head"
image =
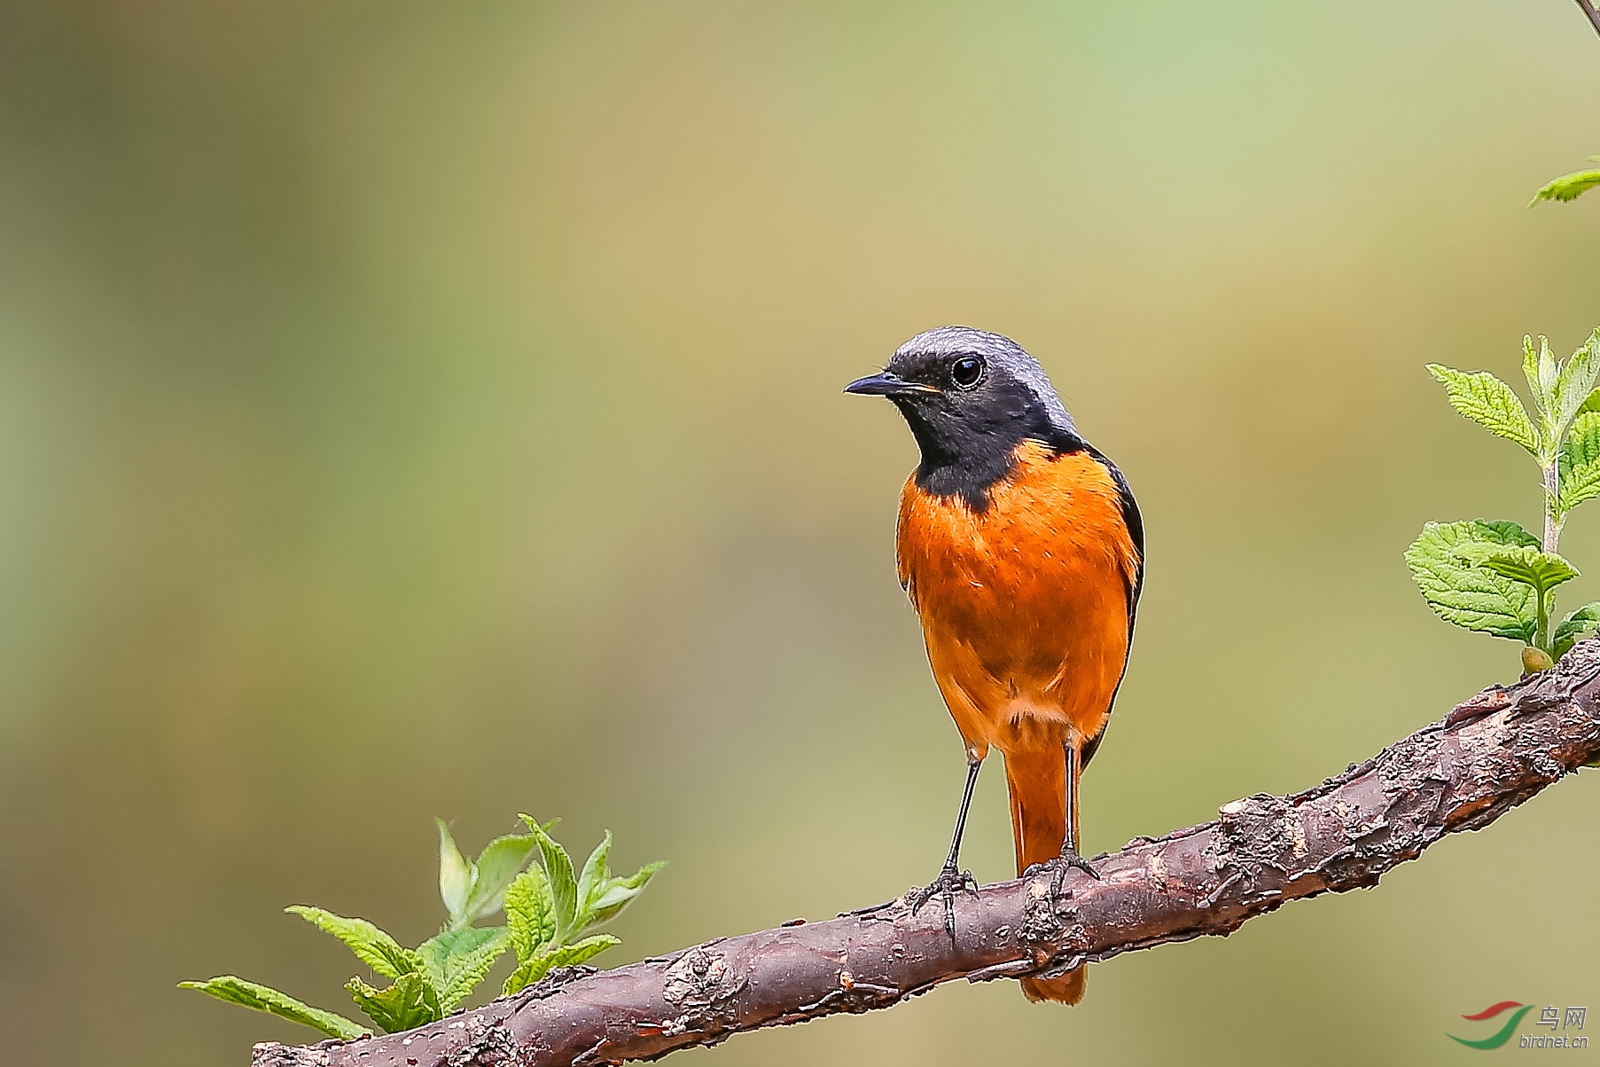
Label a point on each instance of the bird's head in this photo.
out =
(970, 397)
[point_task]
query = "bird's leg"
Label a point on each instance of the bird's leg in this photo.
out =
(1069, 857)
(951, 877)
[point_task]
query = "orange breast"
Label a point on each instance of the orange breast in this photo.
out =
(1024, 605)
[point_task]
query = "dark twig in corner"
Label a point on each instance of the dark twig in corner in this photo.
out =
(1594, 17)
(1490, 754)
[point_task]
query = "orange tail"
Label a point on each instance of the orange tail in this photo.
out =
(1037, 783)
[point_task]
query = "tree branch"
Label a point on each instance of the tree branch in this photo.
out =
(1490, 754)
(1594, 17)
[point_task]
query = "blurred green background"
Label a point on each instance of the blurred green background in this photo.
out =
(415, 409)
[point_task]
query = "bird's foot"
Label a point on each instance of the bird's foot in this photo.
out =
(1068, 860)
(950, 882)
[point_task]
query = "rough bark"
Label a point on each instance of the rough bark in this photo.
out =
(1490, 754)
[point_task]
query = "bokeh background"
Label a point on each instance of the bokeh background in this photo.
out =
(413, 409)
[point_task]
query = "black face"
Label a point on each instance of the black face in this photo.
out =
(968, 413)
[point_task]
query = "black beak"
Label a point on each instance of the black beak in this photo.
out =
(887, 384)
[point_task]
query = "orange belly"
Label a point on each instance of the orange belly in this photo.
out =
(1025, 604)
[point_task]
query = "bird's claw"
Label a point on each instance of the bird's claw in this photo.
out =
(950, 882)
(1068, 860)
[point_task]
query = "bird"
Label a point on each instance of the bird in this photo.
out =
(1021, 548)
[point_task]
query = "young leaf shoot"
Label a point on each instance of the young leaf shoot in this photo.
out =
(1494, 576)
(549, 915)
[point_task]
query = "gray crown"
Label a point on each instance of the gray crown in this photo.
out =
(998, 351)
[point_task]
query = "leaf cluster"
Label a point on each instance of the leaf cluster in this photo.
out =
(549, 912)
(1494, 576)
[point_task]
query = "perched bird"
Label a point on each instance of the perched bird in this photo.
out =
(1022, 550)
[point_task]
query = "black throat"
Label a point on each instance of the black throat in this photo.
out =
(966, 453)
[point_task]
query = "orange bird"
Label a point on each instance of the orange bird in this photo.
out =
(1022, 550)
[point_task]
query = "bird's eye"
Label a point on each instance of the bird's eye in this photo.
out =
(966, 371)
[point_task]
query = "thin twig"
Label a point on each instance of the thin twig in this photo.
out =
(1594, 16)
(1488, 755)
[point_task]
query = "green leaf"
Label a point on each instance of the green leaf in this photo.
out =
(455, 961)
(563, 886)
(1539, 367)
(405, 1004)
(455, 876)
(528, 972)
(1574, 626)
(596, 875)
(1530, 370)
(1576, 381)
(1490, 403)
(530, 913)
(565, 956)
(581, 951)
(1579, 469)
(1568, 186)
(601, 896)
(1445, 562)
(236, 990)
(619, 893)
(1522, 563)
(496, 866)
(371, 945)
